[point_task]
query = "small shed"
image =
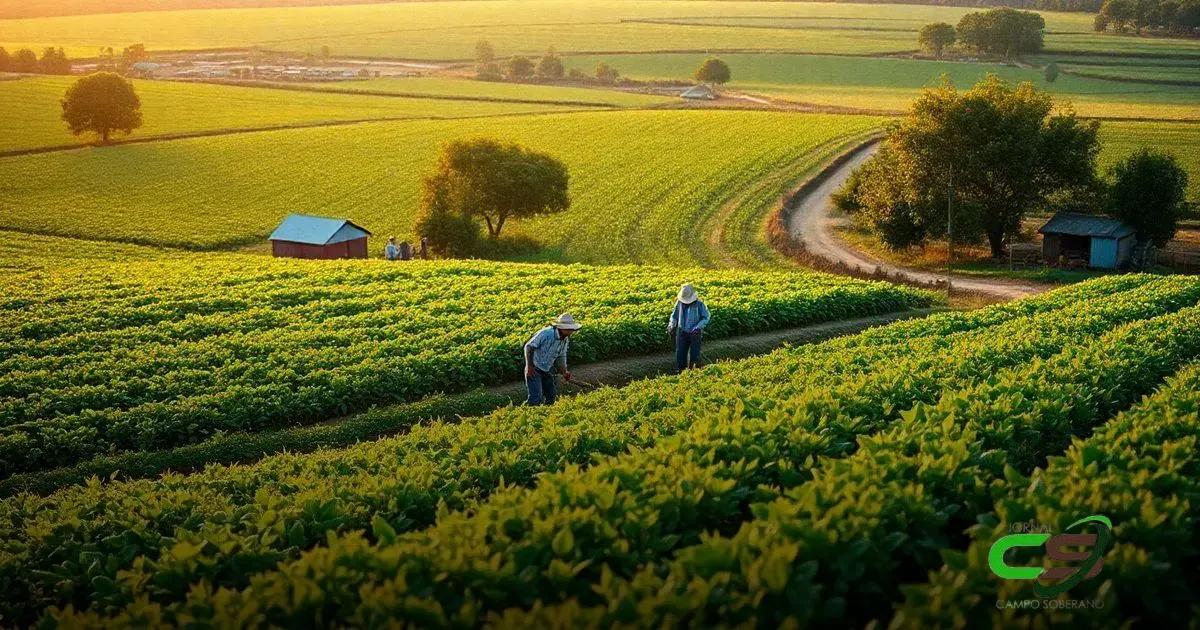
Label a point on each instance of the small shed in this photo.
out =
(306, 236)
(700, 93)
(1104, 242)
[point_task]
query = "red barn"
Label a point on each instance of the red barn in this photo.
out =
(304, 236)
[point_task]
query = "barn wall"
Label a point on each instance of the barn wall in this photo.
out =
(356, 248)
(1050, 247)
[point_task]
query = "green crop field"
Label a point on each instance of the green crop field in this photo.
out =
(32, 117)
(761, 476)
(449, 30)
(109, 358)
(1182, 140)
(456, 87)
(642, 182)
(892, 84)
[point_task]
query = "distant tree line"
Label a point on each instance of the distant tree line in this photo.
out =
(549, 67)
(1004, 32)
(1164, 16)
(53, 61)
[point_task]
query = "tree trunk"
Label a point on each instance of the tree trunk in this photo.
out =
(104, 136)
(492, 232)
(499, 225)
(996, 241)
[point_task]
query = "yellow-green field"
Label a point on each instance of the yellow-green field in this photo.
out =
(459, 87)
(891, 84)
(1182, 140)
(449, 30)
(31, 116)
(643, 183)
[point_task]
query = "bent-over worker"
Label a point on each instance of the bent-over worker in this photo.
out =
(688, 319)
(545, 354)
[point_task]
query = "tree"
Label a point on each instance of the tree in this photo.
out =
(54, 61)
(1051, 72)
(5, 60)
(1119, 13)
(102, 103)
(1146, 190)
(441, 219)
(133, 54)
(1100, 23)
(519, 68)
(550, 67)
(498, 182)
(713, 70)
(24, 60)
(1005, 149)
(935, 37)
(485, 61)
(606, 74)
(1002, 31)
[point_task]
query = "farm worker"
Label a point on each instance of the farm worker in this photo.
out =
(406, 251)
(688, 319)
(391, 252)
(545, 353)
(424, 248)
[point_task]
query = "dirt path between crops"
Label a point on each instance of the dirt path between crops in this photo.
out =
(810, 220)
(621, 371)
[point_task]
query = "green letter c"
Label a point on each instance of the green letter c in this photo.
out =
(1000, 547)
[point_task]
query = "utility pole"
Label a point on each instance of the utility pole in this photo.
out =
(950, 232)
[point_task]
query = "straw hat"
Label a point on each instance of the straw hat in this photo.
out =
(566, 322)
(687, 294)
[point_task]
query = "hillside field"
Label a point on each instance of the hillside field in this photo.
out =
(891, 84)
(449, 30)
(641, 181)
(33, 117)
(794, 447)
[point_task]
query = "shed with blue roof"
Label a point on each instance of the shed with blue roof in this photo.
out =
(1104, 242)
(306, 236)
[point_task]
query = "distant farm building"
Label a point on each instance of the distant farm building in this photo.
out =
(1103, 242)
(305, 236)
(699, 93)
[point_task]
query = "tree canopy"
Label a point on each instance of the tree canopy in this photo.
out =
(102, 103)
(1002, 31)
(550, 66)
(936, 37)
(497, 182)
(606, 74)
(1147, 191)
(519, 68)
(713, 70)
(1004, 150)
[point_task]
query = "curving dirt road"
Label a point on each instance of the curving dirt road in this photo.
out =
(810, 219)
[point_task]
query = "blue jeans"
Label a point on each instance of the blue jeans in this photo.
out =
(543, 388)
(687, 349)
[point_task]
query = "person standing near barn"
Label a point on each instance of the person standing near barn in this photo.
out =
(688, 319)
(391, 252)
(545, 354)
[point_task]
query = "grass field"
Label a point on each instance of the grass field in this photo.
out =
(1182, 140)
(892, 84)
(32, 117)
(930, 424)
(449, 30)
(641, 181)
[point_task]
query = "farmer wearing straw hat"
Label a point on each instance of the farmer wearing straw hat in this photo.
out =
(688, 319)
(546, 353)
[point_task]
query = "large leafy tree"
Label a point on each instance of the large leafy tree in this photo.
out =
(713, 70)
(935, 37)
(498, 182)
(1147, 191)
(1004, 150)
(1002, 31)
(102, 103)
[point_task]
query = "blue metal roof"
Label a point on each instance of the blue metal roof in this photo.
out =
(1076, 224)
(310, 230)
